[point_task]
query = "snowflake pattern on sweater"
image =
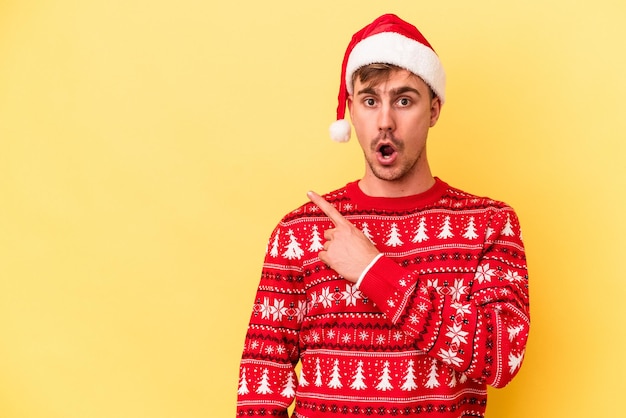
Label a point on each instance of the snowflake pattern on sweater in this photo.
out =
(440, 316)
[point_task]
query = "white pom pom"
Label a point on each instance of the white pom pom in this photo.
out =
(340, 131)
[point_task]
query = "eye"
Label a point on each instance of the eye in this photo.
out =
(369, 102)
(404, 101)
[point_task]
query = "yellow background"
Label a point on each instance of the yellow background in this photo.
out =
(147, 149)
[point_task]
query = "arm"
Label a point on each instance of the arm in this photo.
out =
(267, 380)
(476, 323)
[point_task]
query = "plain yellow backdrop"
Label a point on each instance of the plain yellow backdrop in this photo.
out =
(148, 148)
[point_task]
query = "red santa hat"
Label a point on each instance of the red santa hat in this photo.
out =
(387, 40)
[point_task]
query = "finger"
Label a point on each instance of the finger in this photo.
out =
(326, 207)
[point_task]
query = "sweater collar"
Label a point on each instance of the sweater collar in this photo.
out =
(427, 198)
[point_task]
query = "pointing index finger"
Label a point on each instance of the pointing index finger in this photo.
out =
(326, 207)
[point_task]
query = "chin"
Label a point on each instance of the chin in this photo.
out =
(388, 175)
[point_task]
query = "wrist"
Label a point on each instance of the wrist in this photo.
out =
(367, 268)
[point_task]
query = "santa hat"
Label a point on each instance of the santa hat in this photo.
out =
(387, 40)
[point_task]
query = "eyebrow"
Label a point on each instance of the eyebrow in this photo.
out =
(394, 92)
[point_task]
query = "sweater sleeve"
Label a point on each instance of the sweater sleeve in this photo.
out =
(475, 322)
(267, 378)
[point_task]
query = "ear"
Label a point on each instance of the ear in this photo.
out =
(349, 102)
(435, 110)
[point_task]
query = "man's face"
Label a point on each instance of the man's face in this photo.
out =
(391, 120)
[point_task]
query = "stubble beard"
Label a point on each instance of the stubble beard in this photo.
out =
(400, 169)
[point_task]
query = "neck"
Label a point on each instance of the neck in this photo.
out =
(376, 187)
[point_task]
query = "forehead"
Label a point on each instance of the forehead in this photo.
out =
(390, 80)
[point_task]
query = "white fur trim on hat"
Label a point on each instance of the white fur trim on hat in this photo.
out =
(396, 49)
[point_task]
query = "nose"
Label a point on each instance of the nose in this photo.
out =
(386, 122)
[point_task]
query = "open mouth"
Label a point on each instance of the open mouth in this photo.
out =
(386, 151)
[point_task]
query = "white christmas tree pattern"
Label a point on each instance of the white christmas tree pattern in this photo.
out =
(274, 251)
(288, 390)
(432, 381)
(420, 234)
(293, 248)
(366, 231)
(409, 377)
(243, 384)
(515, 361)
(264, 384)
(453, 382)
(507, 231)
(514, 331)
(385, 378)
(335, 382)
(470, 231)
(446, 229)
(359, 379)
(303, 382)
(394, 236)
(318, 373)
(316, 240)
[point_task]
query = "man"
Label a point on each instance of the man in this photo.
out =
(397, 294)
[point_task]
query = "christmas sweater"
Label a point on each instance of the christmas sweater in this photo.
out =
(441, 315)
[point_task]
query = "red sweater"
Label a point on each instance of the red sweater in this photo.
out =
(440, 316)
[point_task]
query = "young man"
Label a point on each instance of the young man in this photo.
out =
(398, 294)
